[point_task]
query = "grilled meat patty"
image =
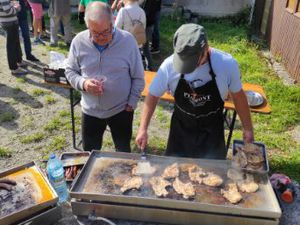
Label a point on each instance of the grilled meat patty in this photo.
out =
(159, 185)
(132, 183)
(171, 171)
(196, 174)
(186, 189)
(231, 193)
(212, 180)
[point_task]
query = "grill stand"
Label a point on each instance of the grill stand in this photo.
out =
(163, 215)
(48, 217)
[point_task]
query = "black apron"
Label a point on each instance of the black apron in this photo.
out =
(197, 124)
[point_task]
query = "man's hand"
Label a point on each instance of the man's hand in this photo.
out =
(248, 136)
(142, 139)
(93, 87)
(7, 184)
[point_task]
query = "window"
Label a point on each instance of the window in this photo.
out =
(291, 4)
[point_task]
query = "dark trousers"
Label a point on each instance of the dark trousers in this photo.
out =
(120, 126)
(146, 49)
(155, 34)
(13, 48)
(23, 23)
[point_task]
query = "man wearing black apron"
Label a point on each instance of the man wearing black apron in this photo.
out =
(197, 125)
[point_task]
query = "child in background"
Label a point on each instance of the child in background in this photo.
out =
(37, 12)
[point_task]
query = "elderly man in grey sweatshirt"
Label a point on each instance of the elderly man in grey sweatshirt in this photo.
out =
(103, 50)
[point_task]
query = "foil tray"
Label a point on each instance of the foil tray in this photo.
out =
(262, 147)
(263, 204)
(46, 197)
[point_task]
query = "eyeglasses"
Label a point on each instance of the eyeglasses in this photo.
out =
(102, 34)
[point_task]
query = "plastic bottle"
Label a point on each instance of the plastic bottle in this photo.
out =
(56, 177)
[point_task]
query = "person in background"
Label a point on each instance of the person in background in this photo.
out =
(82, 6)
(37, 13)
(9, 23)
(199, 78)
(23, 23)
(150, 7)
(155, 47)
(104, 50)
(117, 5)
(129, 13)
(60, 11)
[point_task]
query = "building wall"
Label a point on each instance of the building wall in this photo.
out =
(284, 37)
(214, 8)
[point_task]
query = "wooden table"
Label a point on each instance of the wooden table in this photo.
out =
(230, 120)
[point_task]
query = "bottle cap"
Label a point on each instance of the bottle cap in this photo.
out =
(52, 156)
(287, 196)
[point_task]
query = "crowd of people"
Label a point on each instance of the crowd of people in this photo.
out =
(106, 65)
(13, 15)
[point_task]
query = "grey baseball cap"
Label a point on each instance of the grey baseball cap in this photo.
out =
(189, 44)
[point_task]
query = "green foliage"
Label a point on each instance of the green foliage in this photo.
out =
(50, 100)
(4, 152)
(6, 117)
(39, 92)
(57, 143)
(33, 138)
(17, 89)
(53, 125)
(21, 80)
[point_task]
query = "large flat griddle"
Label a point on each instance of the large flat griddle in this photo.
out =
(42, 194)
(262, 204)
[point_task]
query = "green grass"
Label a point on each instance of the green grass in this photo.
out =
(17, 90)
(39, 92)
(33, 138)
(50, 100)
(21, 80)
(54, 124)
(6, 117)
(57, 143)
(4, 152)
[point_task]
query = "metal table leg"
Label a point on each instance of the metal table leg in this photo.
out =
(72, 105)
(231, 128)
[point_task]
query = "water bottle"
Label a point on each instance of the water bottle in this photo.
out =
(57, 179)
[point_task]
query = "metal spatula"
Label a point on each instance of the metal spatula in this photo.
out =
(143, 167)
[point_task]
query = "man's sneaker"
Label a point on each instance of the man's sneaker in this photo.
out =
(53, 44)
(22, 64)
(32, 58)
(18, 72)
(154, 50)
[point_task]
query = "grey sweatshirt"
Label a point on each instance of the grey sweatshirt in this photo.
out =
(120, 62)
